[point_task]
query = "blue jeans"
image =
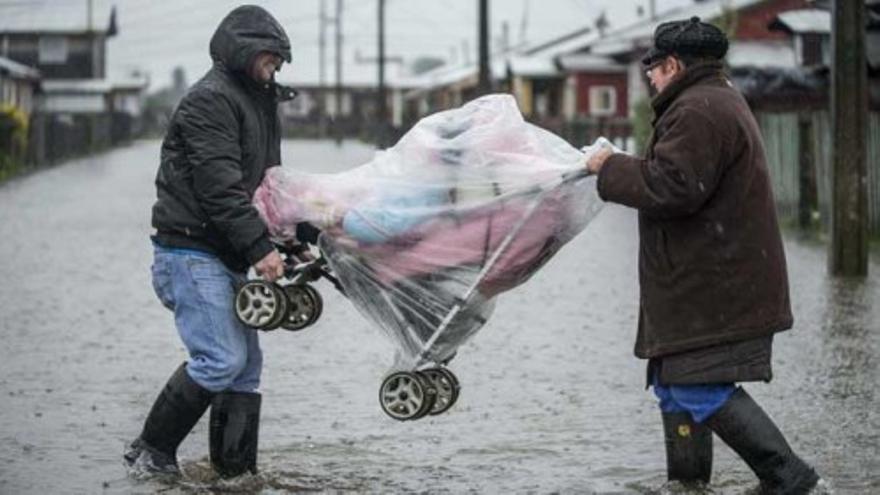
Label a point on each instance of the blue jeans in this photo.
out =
(224, 354)
(701, 401)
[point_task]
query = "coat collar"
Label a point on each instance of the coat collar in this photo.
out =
(284, 93)
(693, 75)
(277, 92)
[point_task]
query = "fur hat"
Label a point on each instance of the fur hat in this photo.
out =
(686, 38)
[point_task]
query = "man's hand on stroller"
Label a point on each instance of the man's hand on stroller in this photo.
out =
(597, 154)
(271, 267)
(596, 161)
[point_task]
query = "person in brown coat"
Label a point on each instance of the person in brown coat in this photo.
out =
(712, 271)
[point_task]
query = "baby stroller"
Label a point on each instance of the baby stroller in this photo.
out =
(469, 204)
(294, 304)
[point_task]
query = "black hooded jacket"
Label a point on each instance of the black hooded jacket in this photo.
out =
(222, 137)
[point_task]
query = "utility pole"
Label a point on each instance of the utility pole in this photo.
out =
(382, 93)
(322, 42)
(524, 24)
(849, 103)
(322, 80)
(484, 86)
(338, 117)
(807, 178)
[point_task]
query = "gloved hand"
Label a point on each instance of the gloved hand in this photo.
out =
(307, 233)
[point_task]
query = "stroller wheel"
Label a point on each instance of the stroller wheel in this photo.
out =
(447, 388)
(301, 309)
(404, 395)
(430, 396)
(318, 302)
(283, 307)
(260, 305)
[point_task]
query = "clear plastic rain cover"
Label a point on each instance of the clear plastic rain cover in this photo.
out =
(467, 205)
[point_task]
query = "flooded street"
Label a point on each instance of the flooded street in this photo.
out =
(552, 397)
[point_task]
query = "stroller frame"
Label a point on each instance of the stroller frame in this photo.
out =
(465, 298)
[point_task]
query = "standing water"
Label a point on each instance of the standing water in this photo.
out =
(552, 398)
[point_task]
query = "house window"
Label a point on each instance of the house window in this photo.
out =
(603, 100)
(53, 49)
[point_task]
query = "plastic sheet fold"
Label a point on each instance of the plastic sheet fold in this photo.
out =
(470, 203)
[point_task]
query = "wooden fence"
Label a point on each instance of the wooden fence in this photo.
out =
(785, 152)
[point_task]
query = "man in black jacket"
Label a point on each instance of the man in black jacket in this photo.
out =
(221, 139)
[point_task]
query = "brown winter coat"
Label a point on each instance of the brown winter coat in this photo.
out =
(711, 264)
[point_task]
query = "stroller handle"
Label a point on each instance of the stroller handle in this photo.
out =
(573, 175)
(310, 269)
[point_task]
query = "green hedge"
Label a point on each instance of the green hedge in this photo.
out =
(13, 140)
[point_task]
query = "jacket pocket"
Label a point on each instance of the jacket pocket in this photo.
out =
(210, 278)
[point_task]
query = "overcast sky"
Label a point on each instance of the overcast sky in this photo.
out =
(157, 35)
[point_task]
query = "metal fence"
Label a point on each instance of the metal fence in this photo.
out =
(58, 137)
(782, 140)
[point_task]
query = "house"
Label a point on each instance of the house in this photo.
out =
(79, 107)
(595, 79)
(447, 87)
(752, 43)
(590, 82)
(318, 110)
(803, 83)
(18, 85)
(810, 30)
(61, 40)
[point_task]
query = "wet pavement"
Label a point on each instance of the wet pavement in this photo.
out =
(552, 398)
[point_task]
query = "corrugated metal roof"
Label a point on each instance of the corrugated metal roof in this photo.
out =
(565, 42)
(46, 16)
(538, 58)
(354, 75)
(762, 54)
(91, 86)
(18, 70)
(573, 47)
(587, 61)
(533, 66)
(641, 33)
(806, 21)
(447, 75)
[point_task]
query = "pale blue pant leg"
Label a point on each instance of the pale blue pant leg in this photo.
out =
(224, 354)
(249, 379)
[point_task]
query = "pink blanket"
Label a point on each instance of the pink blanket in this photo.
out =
(471, 239)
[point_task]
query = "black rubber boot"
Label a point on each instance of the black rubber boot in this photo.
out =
(688, 449)
(235, 428)
(176, 410)
(747, 429)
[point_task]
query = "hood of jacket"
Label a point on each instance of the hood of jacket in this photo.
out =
(243, 33)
